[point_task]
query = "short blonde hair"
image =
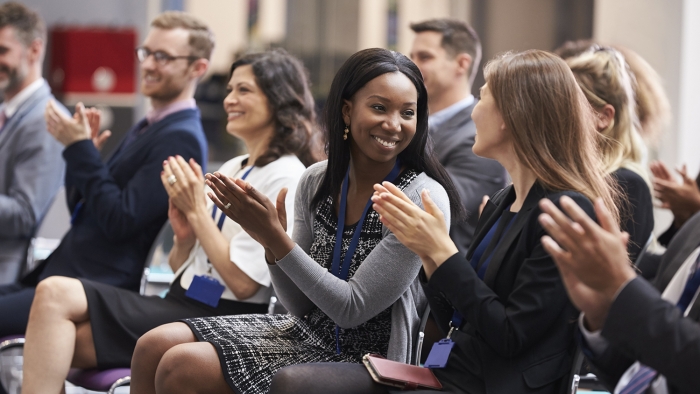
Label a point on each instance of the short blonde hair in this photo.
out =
(201, 37)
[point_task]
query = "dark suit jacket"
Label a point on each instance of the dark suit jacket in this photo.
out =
(31, 170)
(125, 203)
(641, 326)
(518, 330)
(473, 176)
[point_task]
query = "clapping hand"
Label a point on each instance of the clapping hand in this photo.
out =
(254, 212)
(93, 117)
(184, 234)
(424, 232)
(184, 183)
(65, 129)
(682, 198)
(592, 260)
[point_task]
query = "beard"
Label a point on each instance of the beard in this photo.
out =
(170, 87)
(15, 76)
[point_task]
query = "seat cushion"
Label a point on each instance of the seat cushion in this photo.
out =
(94, 379)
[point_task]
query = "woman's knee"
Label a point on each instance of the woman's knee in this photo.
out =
(190, 367)
(61, 295)
(285, 381)
(154, 343)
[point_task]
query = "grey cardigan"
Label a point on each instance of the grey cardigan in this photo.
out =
(387, 277)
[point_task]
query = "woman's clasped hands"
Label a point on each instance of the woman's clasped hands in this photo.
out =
(424, 232)
(254, 212)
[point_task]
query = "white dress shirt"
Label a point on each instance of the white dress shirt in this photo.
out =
(440, 117)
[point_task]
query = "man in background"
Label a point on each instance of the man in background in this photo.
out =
(31, 168)
(448, 53)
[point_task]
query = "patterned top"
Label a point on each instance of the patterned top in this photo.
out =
(373, 335)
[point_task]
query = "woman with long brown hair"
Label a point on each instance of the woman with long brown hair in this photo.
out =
(503, 306)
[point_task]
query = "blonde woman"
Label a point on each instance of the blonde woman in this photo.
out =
(608, 85)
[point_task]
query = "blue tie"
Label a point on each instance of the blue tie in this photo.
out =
(641, 380)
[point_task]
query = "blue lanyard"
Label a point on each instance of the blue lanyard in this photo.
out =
(341, 272)
(220, 224)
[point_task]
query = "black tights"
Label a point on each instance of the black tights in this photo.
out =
(322, 378)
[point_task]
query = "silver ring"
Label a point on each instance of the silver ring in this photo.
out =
(171, 180)
(227, 206)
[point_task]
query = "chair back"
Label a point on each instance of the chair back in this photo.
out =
(157, 274)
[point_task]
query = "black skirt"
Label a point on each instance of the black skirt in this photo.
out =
(119, 317)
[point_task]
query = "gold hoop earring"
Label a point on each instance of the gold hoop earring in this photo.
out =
(345, 133)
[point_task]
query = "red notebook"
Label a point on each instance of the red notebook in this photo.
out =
(404, 376)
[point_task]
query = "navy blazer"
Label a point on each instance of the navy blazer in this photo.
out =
(518, 329)
(124, 202)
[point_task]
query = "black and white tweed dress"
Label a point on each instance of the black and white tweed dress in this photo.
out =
(252, 348)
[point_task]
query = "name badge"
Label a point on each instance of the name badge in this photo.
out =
(206, 290)
(437, 358)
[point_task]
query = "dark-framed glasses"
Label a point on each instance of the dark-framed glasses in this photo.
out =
(160, 57)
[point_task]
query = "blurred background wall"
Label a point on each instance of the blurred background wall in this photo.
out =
(323, 33)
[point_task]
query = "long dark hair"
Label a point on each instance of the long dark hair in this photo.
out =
(282, 79)
(355, 73)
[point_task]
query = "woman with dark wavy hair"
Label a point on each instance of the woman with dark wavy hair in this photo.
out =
(348, 282)
(85, 324)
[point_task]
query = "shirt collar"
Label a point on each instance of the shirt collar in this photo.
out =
(11, 106)
(440, 117)
(156, 115)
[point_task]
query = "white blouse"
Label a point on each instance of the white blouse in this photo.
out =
(244, 251)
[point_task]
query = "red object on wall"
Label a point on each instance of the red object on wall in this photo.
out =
(92, 60)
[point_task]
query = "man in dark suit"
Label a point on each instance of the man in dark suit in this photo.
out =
(118, 207)
(31, 167)
(639, 337)
(448, 53)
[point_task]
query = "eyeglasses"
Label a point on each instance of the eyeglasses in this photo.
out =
(160, 57)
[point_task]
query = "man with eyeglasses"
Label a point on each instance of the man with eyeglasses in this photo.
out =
(118, 207)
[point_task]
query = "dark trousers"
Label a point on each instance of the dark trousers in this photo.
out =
(15, 302)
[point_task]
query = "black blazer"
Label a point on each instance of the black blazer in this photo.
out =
(641, 326)
(125, 203)
(638, 220)
(518, 330)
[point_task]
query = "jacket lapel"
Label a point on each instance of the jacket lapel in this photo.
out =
(694, 312)
(23, 109)
(457, 121)
(535, 194)
(492, 211)
(681, 246)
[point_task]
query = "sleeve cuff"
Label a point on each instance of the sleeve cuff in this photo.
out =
(594, 340)
(446, 272)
